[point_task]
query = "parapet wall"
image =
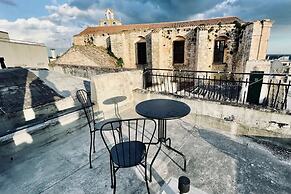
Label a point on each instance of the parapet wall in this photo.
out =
(21, 54)
(83, 71)
(120, 85)
(128, 84)
(229, 117)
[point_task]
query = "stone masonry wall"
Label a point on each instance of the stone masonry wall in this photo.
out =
(83, 71)
(75, 57)
(243, 40)
(198, 48)
(78, 40)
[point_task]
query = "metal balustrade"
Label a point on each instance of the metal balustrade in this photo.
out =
(256, 89)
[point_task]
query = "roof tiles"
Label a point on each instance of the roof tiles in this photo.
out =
(117, 29)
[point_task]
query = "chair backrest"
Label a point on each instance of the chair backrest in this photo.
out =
(121, 132)
(85, 100)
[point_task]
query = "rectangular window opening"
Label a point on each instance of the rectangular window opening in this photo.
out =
(219, 51)
(178, 51)
(141, 53)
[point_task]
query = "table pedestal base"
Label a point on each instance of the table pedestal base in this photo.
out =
(162, 124)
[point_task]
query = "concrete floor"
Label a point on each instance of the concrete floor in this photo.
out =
(217, 162)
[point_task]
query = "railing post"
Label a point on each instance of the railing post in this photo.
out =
(147, 78)
(144, 78)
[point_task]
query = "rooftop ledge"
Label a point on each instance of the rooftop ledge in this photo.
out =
(229, 149)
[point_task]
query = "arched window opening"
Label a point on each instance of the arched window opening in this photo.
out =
(141, 49)
(219, 50)
(179, 50)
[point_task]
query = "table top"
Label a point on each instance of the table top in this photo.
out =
(162, 109)
(114, 100)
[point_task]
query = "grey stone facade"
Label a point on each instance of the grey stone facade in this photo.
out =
(244, 41)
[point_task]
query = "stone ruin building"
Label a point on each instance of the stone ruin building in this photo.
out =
(220, 44)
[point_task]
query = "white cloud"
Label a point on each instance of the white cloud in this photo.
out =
(225, 8)
(39, 30)
(66, 14)
(64, 20)
(55, 30)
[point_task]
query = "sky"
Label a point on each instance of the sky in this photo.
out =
(54, 22)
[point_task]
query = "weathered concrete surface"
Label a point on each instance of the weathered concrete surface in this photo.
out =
(217, 162)
(31, 96)
(21, 89)
(63, 84)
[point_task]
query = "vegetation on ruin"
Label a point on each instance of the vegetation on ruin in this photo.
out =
(119, 61)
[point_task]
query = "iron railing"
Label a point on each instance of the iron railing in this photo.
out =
(266, 90)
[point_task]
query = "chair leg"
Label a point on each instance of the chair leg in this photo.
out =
(90, 150)
(151, 166)
(94, 142)
(146, 177)
(114, 178)
(111, 174)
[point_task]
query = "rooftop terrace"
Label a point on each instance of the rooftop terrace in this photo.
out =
(217, 162)
(222, 156)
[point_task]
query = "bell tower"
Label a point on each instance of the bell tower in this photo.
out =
(109, 19)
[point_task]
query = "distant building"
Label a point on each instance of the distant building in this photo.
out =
(224, 44)
(285, 59)
(89, 55)
(110, 19)
(22, 53)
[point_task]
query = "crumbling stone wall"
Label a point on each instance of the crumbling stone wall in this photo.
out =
(89, 55)
(83, 71)
(244, 41)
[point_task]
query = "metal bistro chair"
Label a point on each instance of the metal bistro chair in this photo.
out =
(87, 105)
(128, 145)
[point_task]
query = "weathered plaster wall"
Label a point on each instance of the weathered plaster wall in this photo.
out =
(23, 54)
(106, 86)
(257, 65)
(260, 37)
(124, 45)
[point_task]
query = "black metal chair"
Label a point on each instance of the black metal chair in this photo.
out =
(87, 105)
(128, 145)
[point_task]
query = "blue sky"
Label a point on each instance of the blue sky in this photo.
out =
(54, 22)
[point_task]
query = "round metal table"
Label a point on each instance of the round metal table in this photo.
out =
(115, 100)
(163, 110)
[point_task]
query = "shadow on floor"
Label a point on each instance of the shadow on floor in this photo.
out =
(256, 171)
